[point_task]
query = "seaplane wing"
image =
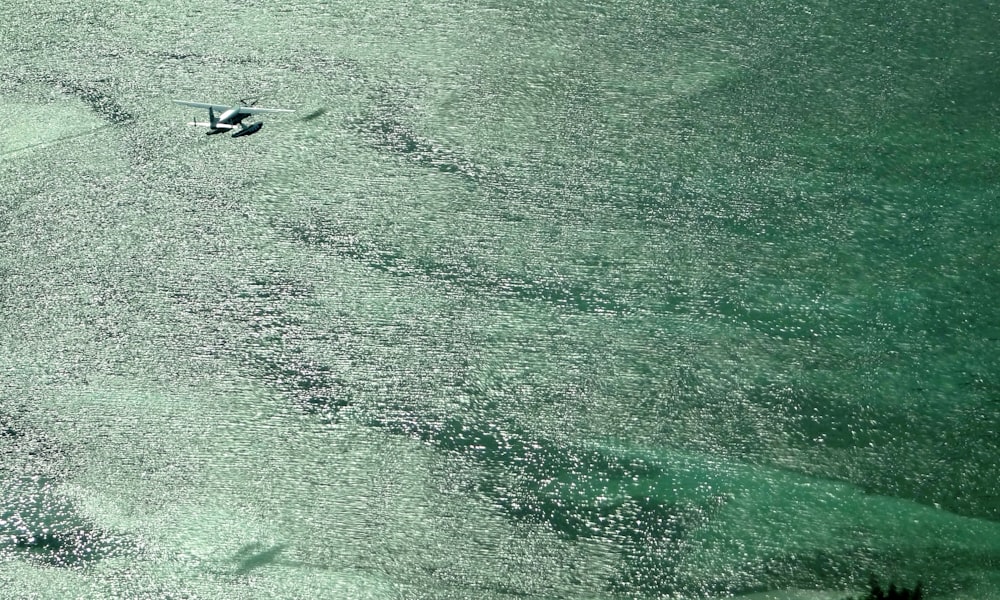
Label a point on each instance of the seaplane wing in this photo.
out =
(251, 110)
(243, 110)
(202, 105)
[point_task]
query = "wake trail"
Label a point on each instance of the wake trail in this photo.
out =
(57, 140)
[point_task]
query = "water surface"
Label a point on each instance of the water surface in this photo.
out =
(528, 299)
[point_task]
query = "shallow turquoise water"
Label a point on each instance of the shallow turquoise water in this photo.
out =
(528, 299)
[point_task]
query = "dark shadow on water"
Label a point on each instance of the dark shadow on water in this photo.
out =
(255, 556)
(314, 115)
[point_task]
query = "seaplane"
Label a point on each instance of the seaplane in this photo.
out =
(230, 117)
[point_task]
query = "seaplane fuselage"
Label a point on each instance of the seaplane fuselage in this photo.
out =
(229, 117)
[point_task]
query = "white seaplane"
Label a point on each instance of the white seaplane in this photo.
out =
(230, 117)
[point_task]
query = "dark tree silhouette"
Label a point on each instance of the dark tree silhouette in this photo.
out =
(875, 592)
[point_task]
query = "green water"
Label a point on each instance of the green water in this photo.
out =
(528, 299)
